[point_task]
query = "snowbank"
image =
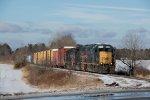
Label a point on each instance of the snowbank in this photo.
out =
(124, 82)
(11, 81)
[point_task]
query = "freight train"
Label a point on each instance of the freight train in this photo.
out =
(98, 58)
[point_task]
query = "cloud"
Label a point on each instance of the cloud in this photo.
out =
(42, 31)
(102, 16)
(12, 28)
(109, 7)
(143, 33)
(18, 36)
(140, 30)
(109, 34)
(83, 15)
(82, 34)
(86, 35)
(80, 15)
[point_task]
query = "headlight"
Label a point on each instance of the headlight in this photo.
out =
(101, 63)
(111, 63)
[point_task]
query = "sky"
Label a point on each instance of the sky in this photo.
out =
(89, 21)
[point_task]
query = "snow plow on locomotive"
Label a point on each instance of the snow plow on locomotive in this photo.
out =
(98, 58)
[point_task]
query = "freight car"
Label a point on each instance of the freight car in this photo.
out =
(99, 58)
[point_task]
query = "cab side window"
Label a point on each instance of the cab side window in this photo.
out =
(101, 49)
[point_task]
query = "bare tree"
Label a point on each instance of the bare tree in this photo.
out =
(133, 45)
(62, 40)
(5, 52)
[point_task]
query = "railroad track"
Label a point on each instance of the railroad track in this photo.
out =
(88, 73)
(131, 77)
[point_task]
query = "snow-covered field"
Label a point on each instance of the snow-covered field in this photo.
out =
(11, 81)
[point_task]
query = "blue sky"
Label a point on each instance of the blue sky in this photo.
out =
(89, 21)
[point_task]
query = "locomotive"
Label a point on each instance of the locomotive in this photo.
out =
(98, 58)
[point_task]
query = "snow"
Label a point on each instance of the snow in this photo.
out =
(11, 81)
(29, 58)
(121, 67)
(124, 82)
(144, 63)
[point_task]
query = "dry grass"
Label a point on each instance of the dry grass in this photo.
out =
(141, 76)
(59, 79)
(142, 72)
(7, 62)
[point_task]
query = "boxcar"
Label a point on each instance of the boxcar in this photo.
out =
(54, 57)
(48, 57)
(62, 55)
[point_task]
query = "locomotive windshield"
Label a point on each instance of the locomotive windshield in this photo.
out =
(101, 48)
(105, 48)
(108, 48)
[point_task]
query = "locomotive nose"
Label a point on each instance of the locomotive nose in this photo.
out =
(105, 57)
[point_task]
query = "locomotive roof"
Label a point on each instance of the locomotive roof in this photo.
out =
(54, 49)
(69, 47)
(92, 45)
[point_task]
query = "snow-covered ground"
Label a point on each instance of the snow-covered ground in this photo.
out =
(120, 66)
(124, 82)
(11, 81)
(144, 63)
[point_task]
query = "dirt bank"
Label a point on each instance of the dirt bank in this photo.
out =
(46, 78)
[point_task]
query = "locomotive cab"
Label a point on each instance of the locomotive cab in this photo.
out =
(105, 58)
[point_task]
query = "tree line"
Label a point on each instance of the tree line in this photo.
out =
(6, 52)
(143, 54)
(60, 41)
